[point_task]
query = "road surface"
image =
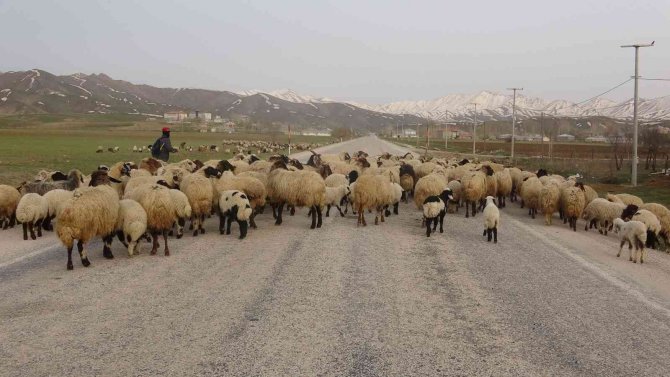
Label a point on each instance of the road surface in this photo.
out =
(376, 301)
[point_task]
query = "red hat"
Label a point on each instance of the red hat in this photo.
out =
(166, 129)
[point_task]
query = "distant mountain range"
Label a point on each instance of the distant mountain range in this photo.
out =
(38, 91)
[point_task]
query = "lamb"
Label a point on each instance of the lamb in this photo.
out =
(9, 200)
(549, 199)
(373, 192)
(602, 213)
(296, 188)
(73, 181)
(131, 224)
(632, 212)
(434, 210)
(530, 194)
(430, 185)
(234, 205)
(183, 210)
(253, 188)
(161, 214)
(491, 219)
(504, 185)
(31, 211)
(91, 212)
(335, 196)
(474, 190)
(633, 232)
(200, 193)
(573, 202)
(56, 199)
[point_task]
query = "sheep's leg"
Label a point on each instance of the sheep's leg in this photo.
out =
(46, 223)
(319, 216)
(467, 209)
(154, 247)
(280, 209)
(361, 214)
(620, 248)
(377, 216)
(196, 225)
(202, 222)
(12, 220)
(474, 208)
(69, 265)
(442, 221)
(229, 224)
(107, 249)
(630, 251)
(274, 210)
(190, 227)
(119, 235)
(180, 227)
(222, 223)
(428, 221)
(328, 210)
(495, 234)
(292, 210)
(165, 237)
(484, 234)
(31, 229)
(313, 210)
(489, 233)
(132, 245)
(252, 218)
(83, 254)
(25, 231)
(339, 209)
(243, 228)
(395, 208)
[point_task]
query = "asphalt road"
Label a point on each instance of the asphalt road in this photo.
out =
(376, 301)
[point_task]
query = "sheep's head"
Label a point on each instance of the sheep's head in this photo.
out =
(447, 195)
(211, 172)
(362, 162)
(488, 170)
(580, 185)
(296, 164)
(314, 160)
(278, 157)
(617, 223)
(225, 165)
(75, 175)
(59, 176)
(325, 171)
(491, 199)
(541, 173)
(346, 156)
(100, 177)
(163, 182)
(103, 167)
(629, 212)
(352, 176)
(279, 165)
(463, 162)
(252, 158)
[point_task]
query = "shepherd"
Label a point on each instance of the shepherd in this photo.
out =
(162, 147)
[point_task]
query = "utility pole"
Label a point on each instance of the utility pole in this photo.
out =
(474, 132)
(542, 133)
(633, 179)
(513, 117)
(446, 128)
(289, 139)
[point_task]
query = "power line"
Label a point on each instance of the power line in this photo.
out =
(641, 78)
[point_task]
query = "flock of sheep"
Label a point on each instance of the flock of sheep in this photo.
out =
(152, 199)
(236, 146)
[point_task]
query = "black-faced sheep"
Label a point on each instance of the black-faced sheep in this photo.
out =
(434, 210)
(73, 181)
(633, 212)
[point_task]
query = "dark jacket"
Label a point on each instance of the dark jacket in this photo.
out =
(165, 147)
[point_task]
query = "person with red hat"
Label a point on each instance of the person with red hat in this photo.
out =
(162, 146)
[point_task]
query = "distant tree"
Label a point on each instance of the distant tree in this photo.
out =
(655, 143)
(341, 132)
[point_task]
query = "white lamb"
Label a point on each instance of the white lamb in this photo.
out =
(491, 219)
(633, 232)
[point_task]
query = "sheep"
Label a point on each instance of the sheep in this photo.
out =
(590, 194)
(296, 188)
(91, 212)
(633, 232)
(200, 192)
(614, 198)
(457, 193)
(398, 193)
(549, 199)
(73, 181)
(183, 210)
(150, 164)
(530, 194)
(663, 215)
(504, 185)
(430, 185)
(335, 180)
(100, 149)
(434, 210)
(474, 188)
(335, 196)
(572, 201)
(161, 214)
(254, 189)
(630, 199)
(491, 219)
(120, 169)
(131, 224)
(9, 200)
(234, 205)
(602, 213)
(424, 169)
(491, 183)
(50, 176)
(407, 179)
(31, 211)
(56, 199)
(633, 212)
(373, 192)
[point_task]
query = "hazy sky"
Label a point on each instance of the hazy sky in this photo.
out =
(367, 51)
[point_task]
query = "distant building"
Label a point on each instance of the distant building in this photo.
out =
(200, 115)
(596, 139)
(409, 132)
(317, 132)
(565, 137)
(175, 116)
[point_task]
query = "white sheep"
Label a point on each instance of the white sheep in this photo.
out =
(200, 191)
(491, 219)
(9, 200)
(373, 192)
(296, 188)
(56, 199)
(601, 212)
(161, 214)
(31, 211)
(530, 194)
(474, 190)
(183, 210)
(131, 224)
(550, 195)
(573, 203)
(633, 232)
(234, 205)
(335, 197)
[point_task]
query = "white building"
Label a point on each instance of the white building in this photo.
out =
(200, 115)
(175, 116)
(315, 132)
